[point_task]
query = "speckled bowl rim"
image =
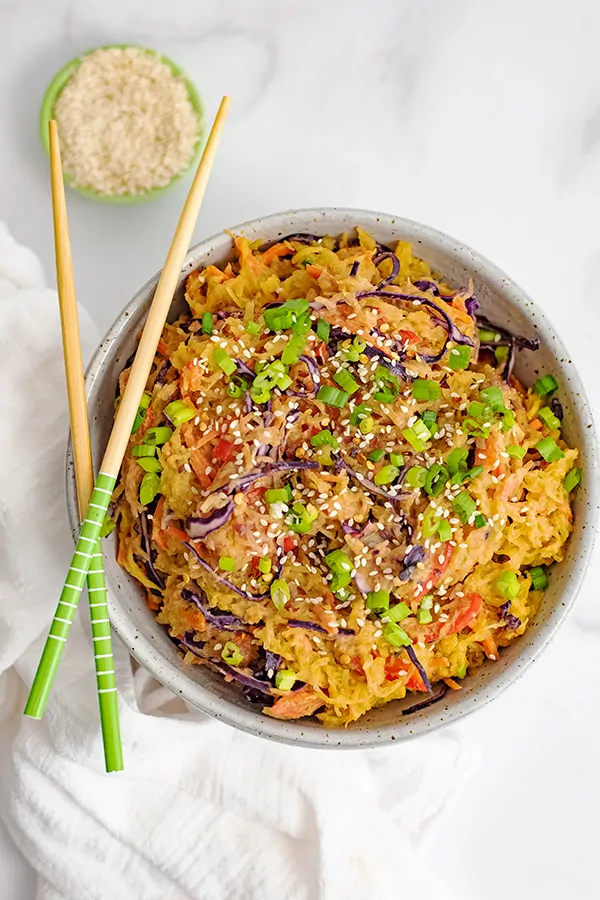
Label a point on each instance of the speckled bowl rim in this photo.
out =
(248, 718)
(59, 83)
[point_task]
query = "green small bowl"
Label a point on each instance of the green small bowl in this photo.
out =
(58, 84)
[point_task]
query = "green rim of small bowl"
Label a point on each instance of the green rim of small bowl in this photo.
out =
(58, 84)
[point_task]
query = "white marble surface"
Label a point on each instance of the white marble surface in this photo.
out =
(482, 119)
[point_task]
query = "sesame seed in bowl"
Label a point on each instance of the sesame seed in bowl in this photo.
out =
(130, 123)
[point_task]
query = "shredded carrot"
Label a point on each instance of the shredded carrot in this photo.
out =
(452, 684)
(162, 348)
(152, 601)
(216, 273)
(535, 424)
(276, 251)
(489, 647)
(314, 271)
(206, 438)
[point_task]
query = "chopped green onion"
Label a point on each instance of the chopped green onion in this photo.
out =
(417, 435)
(479, 521)
(431, 520)
(224, 361)
(285, 679)
(462, 671)
(507, 585)
(386, 475)
(424, 389)
(300, 518)
(350, 352)
(545, 386)
(457, 460)
(231, 654)
(459, 358)
(384, 376)
(444, 530)
(384, 396)
(549, 419)
(149, 464)
(572, 480)
(486, 335)
(346, 381)
(280, 593)
(435, 479)
(397, 459)
(207, 322)
(301, 326)
(376, 455)
(260, 395)
(549, 449)
(264, 565)
(234, 389)
(464, 506)
(158, 435)
(293, 350)
(252, 328)
(149, 488)
(107, 526)
(227, 563)
(539, 579)
(493, 397)
(378, 601)
(269, 376)
(424, 616)
(473, 427)
(323, 329)
(143, 450)
(324, 439)
(415, 477)
(398, 612)
(479, 411)
(366, 425)
(278, 319)
(501, 354)
(179, 412)
(396, 636)
(429, 419)
(340, 566)
(141, 413)
(332, 396)
(359, 412)
(508, 419)
(515, 451)
(461, 477)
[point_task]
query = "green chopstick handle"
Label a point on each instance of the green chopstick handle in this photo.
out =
(65, 612)
(105, 664)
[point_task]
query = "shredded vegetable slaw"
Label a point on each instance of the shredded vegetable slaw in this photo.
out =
(336, 491)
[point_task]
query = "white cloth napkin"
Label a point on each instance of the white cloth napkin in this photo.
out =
(201, 810)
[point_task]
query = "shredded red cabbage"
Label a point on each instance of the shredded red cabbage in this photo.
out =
(226, 621)
(301, 237)
(247, 403)
(147, 545)
(423, 704)
(221, 578)
(387, 254)
(313, 371)
(244, 481)
(556, 407)
(355, 268)
(367, 485)
(244, 370)
(511, 620)
(313, 626)
(249, 681)
(419, 667)
(506, 339)
(199, 526)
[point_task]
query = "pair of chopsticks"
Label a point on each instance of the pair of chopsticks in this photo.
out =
(94, 499)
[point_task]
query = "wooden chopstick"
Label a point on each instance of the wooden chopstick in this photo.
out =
(119, 438)
(82, 454)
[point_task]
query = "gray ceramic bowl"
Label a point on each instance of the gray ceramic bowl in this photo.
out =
(506, 304)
